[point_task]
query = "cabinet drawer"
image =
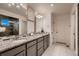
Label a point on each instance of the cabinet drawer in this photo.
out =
(21, 54)
(40, 52)
(40, 44)
(46, 37)
(31, 51)
(30, 44)
(13, 51)
(40, 39)
(45, 45)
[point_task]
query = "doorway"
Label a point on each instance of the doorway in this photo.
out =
(61, 29)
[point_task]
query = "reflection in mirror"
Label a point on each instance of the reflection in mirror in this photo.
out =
(8, 26)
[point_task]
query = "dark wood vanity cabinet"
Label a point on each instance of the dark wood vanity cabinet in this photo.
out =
(35, 47)
(17, 51)
(31, 48)
(46, 42)
(40, 46)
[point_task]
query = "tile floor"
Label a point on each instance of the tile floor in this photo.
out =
(59, 50)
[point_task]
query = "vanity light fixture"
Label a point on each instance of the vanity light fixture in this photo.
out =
(21, 4)
(9, 5)
(51, 5)
(39, 16)
(13, 4)
(17, 5)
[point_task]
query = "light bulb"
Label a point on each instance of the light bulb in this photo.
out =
(21, 4)
(13, 3)
(39, 16)
(9, 4)
(51, 5)
(18, 6)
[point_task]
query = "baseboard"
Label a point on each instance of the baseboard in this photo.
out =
(63, 43)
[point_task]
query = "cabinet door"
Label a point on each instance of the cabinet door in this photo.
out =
(46, 41)
(29, 44)
(40, 44)
(40, 39)
(21, 54)
(40, 48)
(14, 51)
(45, 44)
(40, 51)
(31, 51)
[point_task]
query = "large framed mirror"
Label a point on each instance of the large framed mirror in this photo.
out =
(9, 25)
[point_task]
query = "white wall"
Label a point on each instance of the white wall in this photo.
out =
(21, 19)
(47, 25)
(74, 29)
(61, 28)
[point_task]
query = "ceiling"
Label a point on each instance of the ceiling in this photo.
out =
(13, 9)
(58, 8)
(43, 8)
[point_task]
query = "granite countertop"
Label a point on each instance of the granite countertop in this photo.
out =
(5, 45)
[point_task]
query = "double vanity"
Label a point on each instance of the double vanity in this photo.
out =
(33, 45)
